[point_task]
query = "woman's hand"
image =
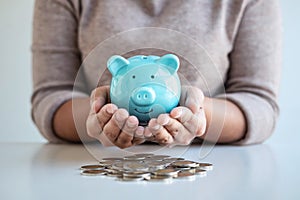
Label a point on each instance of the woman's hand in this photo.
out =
(110, 125)
(184, 123)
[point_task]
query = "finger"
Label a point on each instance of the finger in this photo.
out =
(92, 124)
(190, 121)
(147, 133)
(173, 126)
(95, 106)
(203, 122)
(125, 138)
(181, 135)
(139, 136)
(139, 132)
(114, 126)
(101, 93)
(193, 99)
(161, 135)
(105, 114)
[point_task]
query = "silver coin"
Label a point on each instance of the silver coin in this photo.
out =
(166, 179)
(159, 157)
(145, 155)
(118, 166)
(133, 158)
(166, 172)
(155, 165)
(136, 174)
(172, 159)
(205, 166)
(185, 163)
(186, 175)
(191, 170)
(114, 175)
(135, 166)
(111, 158)
(86, 167)
(93, 172)
(200, 172)
(112, 171)
(107, 163)
(130, 179)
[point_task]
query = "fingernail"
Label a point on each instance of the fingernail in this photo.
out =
(178, 114)
(96, 105)
(163, 121)
(156, 127)
(118, 117)
(139, 131)
(147, 132)
(110, 109)
(131, 123)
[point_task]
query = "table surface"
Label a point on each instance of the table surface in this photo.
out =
(51, 171)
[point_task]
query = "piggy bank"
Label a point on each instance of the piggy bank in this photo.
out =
(145, 86)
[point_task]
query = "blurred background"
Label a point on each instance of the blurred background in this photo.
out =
(16, 83)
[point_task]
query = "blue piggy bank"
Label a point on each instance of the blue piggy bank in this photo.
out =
(145, 86)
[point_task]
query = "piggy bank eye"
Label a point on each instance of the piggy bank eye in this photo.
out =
(133, 76)
(152, 76)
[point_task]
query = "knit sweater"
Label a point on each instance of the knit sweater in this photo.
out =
(228, 48)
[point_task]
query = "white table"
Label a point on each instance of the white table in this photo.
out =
(47, 171)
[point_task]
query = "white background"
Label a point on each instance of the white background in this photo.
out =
(16, 83)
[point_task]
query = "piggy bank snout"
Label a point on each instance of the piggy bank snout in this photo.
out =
(143, 96)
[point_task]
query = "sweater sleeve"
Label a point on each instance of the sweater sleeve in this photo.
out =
(55, 61)
(255, 68)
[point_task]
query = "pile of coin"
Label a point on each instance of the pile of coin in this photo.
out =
(146, 166)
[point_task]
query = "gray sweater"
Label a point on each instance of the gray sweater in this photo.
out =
(228, 48)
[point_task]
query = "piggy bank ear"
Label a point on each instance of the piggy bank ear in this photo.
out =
(171, 61)
(115, 63)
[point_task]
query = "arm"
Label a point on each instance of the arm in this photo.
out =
(56, 60)
(66, 117)
(228, 124)
(247, 112)
(255, 68)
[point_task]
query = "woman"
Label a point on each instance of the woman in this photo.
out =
(243, 38)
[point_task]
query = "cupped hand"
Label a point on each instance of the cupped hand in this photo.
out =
(111, 125)
(184, 122)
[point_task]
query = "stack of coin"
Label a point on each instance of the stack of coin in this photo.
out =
(149, 167)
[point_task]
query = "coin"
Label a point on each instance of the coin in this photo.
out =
(185, 163)
(112, 171)
(205, 166)
(86, 167)
(159, 157)
(145, 155)
(106, 163)
(186, 175)
(172, 159)
(155, 178)
(111, 158)
(191, 170)
(136, 174)
(200, 172)
(135, 166)
(118, 175)
(93, 172)
(129, 179)
(133, 158)
(166, 172)
(155, 165)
